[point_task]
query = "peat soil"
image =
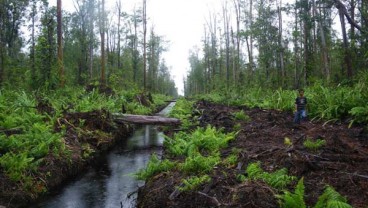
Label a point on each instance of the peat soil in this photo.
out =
(341, 163)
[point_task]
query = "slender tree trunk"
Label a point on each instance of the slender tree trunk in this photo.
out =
(352, 28)
(144, 44)
(296, 51)
(227, 43)
(91, 37)
(60, 44)
(347, 57)
(325, 57)
(119, 19)
(237, 12)
(33, 46)
(233, 56)
(282, 65)
(102, 34)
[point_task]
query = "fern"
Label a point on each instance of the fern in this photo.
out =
(314, 146)
(193, 183)
(278, 179)
(241, 116)
(331, 199)
(154, 166)
(199, 164)
(293, 200)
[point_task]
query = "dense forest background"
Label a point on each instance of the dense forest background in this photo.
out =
(43, 47)
(274, 44)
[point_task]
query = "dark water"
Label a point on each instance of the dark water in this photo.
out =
(111, 184)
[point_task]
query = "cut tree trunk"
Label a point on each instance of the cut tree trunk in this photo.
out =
(141, 119)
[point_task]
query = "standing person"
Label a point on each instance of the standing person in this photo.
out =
(300, 107)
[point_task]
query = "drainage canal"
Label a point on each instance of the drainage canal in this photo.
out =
(111, 185)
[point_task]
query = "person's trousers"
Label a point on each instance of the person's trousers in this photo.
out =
(299, 116)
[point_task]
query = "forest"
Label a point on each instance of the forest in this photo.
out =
(65, 76)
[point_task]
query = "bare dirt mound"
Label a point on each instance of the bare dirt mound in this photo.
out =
(341, 163)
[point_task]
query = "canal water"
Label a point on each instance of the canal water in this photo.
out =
(111, 185)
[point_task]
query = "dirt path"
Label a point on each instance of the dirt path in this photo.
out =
(341, 163)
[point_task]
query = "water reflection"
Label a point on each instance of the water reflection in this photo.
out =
(109, 184)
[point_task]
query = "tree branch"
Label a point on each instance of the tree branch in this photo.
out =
(341, 7)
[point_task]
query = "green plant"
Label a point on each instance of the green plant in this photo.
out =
(241, 116)
(182, 110)
(278, 179)
(314, 145)
(232, 159)
(199, 164)
(194, 182)
(360, 114)
(331, 199)
(292, 200)
(154, 166)
(209, 140)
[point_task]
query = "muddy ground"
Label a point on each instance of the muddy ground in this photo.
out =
(341, 163)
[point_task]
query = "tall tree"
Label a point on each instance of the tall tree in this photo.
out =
(226, 19)
(102, 34)
(144, 44)
(60, 44)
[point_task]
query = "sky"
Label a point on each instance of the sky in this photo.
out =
(181, 22)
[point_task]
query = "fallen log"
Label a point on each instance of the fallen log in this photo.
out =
(140, 119)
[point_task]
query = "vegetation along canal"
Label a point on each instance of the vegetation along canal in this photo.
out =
(111, 184)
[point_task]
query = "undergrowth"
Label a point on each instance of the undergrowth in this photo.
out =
(327, 103)
(34, 137)
(183, 110)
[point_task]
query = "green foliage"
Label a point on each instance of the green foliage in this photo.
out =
(278, 179)
(328, 103)
(360, 114)
(292, 200)
(194, 182)
(240, 115)
(208, 140)
(16, 165)
(231, 160)
(314, 145)
(199, 164)
(331, 199)
(154, 166)
(183, 110)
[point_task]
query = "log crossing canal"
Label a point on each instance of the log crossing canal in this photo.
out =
(111, 184)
